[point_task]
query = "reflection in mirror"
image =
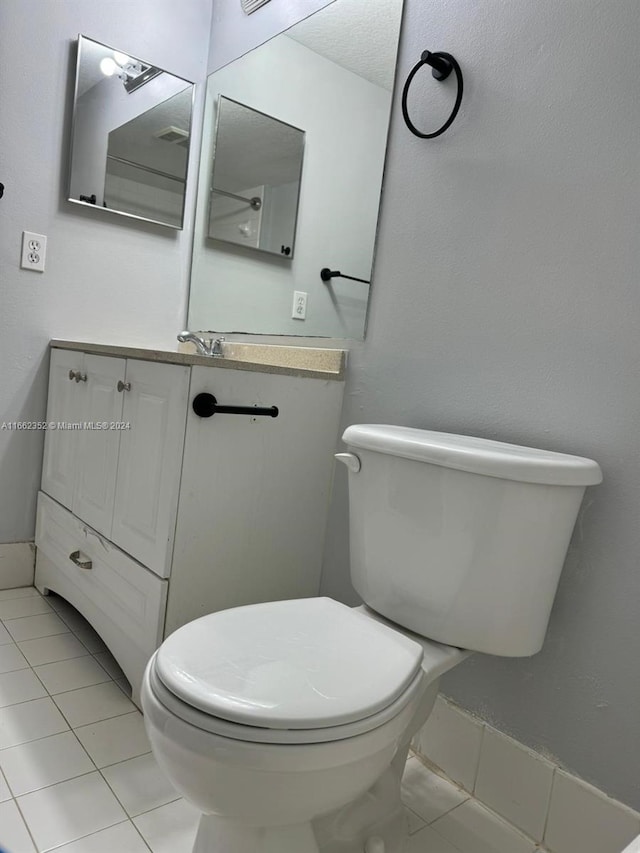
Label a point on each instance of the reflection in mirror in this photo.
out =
(256, 179)
(130, 138)
(331, 74)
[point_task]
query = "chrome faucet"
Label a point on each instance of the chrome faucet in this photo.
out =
(211, 348)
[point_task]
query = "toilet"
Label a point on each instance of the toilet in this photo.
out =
(287, 724)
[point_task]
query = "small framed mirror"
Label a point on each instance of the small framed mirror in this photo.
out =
(130, 137)
(255, 185)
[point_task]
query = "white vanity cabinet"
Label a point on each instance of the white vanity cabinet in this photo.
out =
(113, 448)
(170, 514)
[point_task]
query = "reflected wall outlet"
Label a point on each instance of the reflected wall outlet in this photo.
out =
(34, 250)
(299, 309)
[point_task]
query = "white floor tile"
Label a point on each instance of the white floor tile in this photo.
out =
(473, 829)
(114, 740)
(140, 784)
(107, 660)
(16, 608)
(171, 828)
(428, 794)
(515, 782)
(31, 627)
(52, 649)
(5, 636)
(74, 619)
(121, 838)
(13, 833)
(5, 793)
(92, 704)
(71, 674)
(583, 819)
(70, 810)
(20, 686)
(428, 841)
(30, 721)
(11, 658)
(19, 592)
(44, 762)
(91, 639)
(414, 821)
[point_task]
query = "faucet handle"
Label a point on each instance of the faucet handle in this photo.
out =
(215, 345)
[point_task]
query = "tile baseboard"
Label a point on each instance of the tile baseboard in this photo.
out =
(550, 806)
(17, 564)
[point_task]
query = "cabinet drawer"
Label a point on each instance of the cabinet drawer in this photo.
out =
(123, 601)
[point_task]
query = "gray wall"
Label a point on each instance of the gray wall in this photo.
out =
(107, 279)
(506, 304)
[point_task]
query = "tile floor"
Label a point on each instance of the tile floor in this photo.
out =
(77, 774)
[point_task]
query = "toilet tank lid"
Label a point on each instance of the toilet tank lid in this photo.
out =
(476, 455)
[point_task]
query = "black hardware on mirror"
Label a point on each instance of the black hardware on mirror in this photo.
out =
(205, 405)
(442, 64)
(91, 199)
(326, 275)
(1, 190)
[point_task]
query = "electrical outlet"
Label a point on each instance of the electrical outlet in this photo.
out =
(34, 250)
(299, 310)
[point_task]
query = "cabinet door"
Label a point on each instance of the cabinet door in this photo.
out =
(97, 449)
(150, 462)
(60, 445)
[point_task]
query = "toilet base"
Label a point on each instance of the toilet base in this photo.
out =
(374, 823)
(220, 835)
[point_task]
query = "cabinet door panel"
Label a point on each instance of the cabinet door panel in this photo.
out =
(61, 445)
(97, 449)
(150, 461)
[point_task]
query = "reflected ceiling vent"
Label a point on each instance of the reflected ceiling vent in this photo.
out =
(175, 135)
(249, 6)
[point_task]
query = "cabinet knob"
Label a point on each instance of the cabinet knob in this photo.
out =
(123, 386)
(77, 375)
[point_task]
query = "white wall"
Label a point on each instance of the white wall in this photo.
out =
(507, 305)
(345, 120)
(234, 33)
(106, 278)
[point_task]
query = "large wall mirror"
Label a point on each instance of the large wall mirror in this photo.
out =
(255, 184)
(330, 77)
(130, 137)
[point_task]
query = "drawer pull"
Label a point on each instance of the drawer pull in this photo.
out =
(124, 386)
(85, 563)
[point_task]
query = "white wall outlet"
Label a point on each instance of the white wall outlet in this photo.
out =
(34, 250)
(299, 309)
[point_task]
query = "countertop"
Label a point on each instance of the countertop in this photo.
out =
(312, 362)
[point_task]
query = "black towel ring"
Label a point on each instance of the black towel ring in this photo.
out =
(442, 64)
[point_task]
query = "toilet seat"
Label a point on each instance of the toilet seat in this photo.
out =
(287, 672)
(255, 734)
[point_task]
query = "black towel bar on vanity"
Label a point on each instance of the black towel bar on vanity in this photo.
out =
(205, 405)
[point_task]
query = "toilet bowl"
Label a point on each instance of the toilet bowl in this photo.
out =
(287, 723)
(342, 691)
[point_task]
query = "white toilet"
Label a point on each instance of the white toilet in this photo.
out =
(287, 724)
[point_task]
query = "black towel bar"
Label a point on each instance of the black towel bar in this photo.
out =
(205, 405)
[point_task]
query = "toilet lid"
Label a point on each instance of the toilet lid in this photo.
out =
(302, 664)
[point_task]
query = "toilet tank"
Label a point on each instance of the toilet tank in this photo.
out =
(461, 539)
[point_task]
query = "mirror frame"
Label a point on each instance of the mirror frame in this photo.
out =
(111, 210)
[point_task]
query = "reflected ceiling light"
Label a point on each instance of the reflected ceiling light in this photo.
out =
(249, 6)
(132, 72)
(109, 66)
